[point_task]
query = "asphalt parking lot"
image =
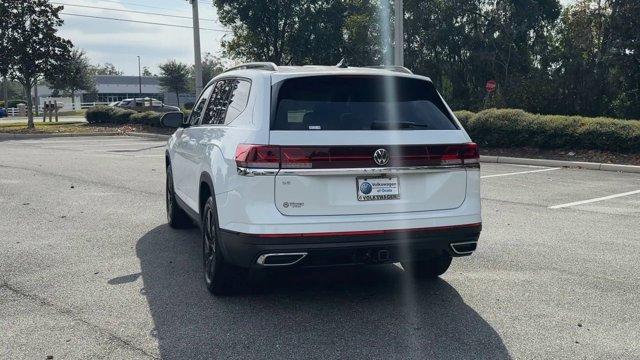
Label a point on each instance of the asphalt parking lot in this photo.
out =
(89, 269)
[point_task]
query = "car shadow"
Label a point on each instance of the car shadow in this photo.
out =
(370, 312)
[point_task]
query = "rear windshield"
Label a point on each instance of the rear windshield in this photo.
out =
(359, 103)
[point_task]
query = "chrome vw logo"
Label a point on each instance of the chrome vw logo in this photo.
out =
(381, 157)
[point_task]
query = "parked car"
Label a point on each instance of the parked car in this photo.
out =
(322, 166)
(146, 104)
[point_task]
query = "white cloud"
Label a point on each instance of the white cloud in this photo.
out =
(121, 42)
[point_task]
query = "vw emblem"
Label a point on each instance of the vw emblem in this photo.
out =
(366, 188)
(381, 157)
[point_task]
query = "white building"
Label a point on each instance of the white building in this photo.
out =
(112, 88)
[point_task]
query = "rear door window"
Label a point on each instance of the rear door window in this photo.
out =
(228, 101)
(217, 106)
(359, 103)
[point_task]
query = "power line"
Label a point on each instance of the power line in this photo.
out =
(138, 5)
(143, 22)
(128, 11)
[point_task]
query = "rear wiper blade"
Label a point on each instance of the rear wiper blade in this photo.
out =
(412, 124)
(377, 125)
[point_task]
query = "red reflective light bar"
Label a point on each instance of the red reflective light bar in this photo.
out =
(329, 157)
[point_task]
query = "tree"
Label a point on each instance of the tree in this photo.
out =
(293, 31)
(211, 67)
(174, 77)
(624, 48)
(33, 41)
(146, 71)
(445, 40)
(362, 33)
(73, 75)
(583, 59)
(106, 69)
(6, 57)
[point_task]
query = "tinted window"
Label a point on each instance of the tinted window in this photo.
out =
(360, 103)
(198, 108)
(229, 99)
(216, 108)
(238, 99)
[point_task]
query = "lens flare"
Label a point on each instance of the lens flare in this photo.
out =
(393, 115)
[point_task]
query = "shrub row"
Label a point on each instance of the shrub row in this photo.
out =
(515, 128)
(503, 128)
(12, 103)
(115, 115)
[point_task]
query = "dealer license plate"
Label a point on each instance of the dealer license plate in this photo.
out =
(378, 188)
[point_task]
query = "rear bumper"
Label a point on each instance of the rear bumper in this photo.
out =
(363, 247)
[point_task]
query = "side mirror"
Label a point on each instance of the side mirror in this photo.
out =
(172, 119)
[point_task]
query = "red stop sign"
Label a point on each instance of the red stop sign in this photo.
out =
(490, 86)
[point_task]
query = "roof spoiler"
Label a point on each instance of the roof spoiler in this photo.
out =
(395, 68)
(269, 66)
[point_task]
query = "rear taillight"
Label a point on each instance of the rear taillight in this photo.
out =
(340, 157)
(258, 156)
(325, 157)
(463, 154)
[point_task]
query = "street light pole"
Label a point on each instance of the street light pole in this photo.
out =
(196, 46)
(139, 76)
(398, 27)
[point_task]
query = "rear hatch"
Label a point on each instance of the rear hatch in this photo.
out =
(366, 144)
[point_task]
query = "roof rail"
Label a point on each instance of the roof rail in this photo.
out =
(269, 66)
(395, 68)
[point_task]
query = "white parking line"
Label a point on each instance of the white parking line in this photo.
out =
(527, 166)
(519, 172)
(594, 200)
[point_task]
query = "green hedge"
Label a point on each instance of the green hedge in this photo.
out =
(12, 103)
(516, 128)
(115, 115)
(150, 118)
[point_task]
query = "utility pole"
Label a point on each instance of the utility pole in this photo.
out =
(196, 46)
(139, 76)
(398, 27)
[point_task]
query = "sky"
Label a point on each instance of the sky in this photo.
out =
(120, 42)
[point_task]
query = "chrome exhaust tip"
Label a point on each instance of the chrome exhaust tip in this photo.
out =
(464, 248)
(280, 259)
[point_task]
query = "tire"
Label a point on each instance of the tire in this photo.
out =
(428, 268)
(218, 273)
(176, 217)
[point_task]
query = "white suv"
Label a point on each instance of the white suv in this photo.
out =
(310, 166)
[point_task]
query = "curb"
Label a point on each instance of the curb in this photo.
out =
(8, 136)
(149, 135)
(560, 163)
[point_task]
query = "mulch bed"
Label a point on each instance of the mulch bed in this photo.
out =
(84, 128)
(570, 155)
